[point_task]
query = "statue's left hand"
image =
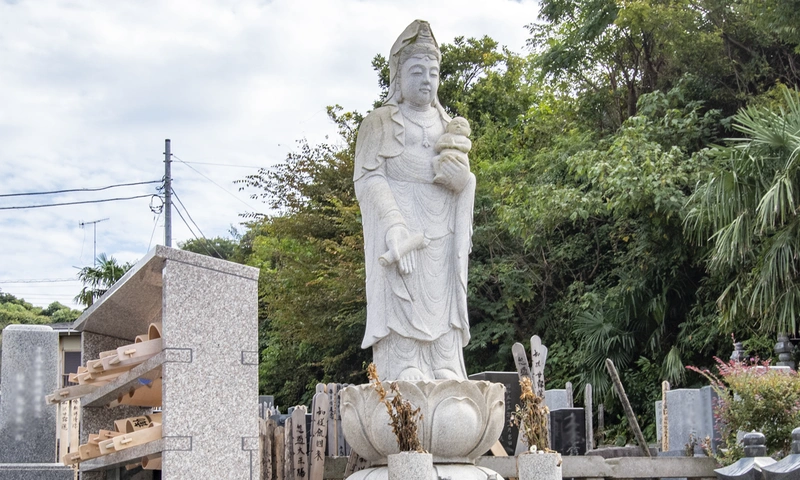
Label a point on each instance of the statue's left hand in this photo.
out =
(455, 172)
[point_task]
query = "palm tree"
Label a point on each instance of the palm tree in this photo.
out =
(99, 278)
(747, 212)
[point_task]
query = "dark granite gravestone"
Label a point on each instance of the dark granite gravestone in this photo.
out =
(511, 381)
(568, 431)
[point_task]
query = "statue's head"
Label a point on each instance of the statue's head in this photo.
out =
(416, 45)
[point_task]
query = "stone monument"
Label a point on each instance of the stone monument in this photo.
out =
(416, 193)
(30, 371)
(27, 425)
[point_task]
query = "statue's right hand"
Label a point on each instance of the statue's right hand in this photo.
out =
(395, 237)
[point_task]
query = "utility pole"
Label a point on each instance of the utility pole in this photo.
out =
(167, 194)
(94, 224)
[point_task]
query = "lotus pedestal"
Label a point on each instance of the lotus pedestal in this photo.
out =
(461, 420)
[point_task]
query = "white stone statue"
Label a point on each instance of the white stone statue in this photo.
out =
(417, 230)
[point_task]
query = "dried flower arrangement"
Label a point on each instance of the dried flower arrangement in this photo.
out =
(404, 417)
(531, 417)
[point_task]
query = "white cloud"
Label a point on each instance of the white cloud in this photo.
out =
(91, 89)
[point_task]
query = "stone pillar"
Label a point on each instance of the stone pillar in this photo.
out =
(738, 355)
(784, 350)
(29, 372)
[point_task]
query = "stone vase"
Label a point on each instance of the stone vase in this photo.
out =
(411, 465)
(539, 466)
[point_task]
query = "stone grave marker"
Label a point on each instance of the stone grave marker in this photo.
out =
(788, 468)
(587, 402)
(29, 372)
(570, 397)
(691, 415)
(508, 438)
(557, 398)
(568, 431)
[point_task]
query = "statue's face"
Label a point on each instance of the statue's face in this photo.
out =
(419, 80)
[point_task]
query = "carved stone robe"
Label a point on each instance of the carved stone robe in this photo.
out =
(394, 187)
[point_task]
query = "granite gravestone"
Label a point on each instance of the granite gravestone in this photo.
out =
(690, 417)
(557, 398)
(568, 431)
(29, 372)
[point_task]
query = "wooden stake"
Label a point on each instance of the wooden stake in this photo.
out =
(664, 417)
(267, 430)
(319, 435)
(299, 446)
(278, 449)
(288, 452)
(626, 404)
(589, 415)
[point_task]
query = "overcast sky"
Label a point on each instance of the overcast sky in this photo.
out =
(89, 90)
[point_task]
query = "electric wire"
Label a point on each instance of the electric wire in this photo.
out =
(195, 224)
(38, 280)
(20, 207)
(221, 164)
(212, 181)
(155, 224)
(97, 189)
(192, 231)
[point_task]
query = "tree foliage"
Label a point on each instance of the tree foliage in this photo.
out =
(16, 311)
(99, 278)
(590, 154)
(217, 247)
(747, 211)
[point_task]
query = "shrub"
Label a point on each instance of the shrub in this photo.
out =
(754, 397)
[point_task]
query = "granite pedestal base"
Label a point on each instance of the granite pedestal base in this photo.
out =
(35, 471)
(451, 471)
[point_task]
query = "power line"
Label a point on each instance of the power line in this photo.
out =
(78, 189)
(212, 181)
(195, 224)
(155, 224)
(20, 207)
(192, 231)
(221, 164)
(40, 280)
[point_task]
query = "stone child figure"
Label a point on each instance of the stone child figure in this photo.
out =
(454, 141)
(417, 230)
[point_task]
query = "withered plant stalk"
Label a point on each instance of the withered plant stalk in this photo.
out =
(531, 417)
(404, 417)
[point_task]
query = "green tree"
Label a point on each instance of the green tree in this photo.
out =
(15, 310)
(747, 212)
(612, 52)
(311, 288)
(217, 247)
(98, 279)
